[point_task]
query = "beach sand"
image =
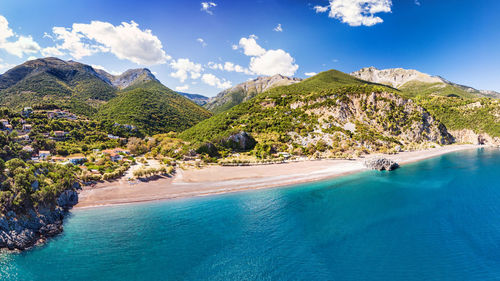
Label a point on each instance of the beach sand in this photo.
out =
(222, 179)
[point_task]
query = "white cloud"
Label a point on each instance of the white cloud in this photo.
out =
(278, 28)
(417, 2)
(202, 42)
(274, 62)
(207, 7)
(321, 9)
(125, 41)
(185, 68)
(212, 80)
(250, 46)
(5, 66)
(97, 66)
(17, 45)
(356, 12)
(182, 88)
(229, 66)
(51, 52)
(310, 73)
(267, 62)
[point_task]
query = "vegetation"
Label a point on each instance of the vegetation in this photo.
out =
(153, 108)
(313, 117)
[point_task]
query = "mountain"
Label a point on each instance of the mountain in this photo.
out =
(245, 91)
(152, 108)
(129, 78)
(53, 81)
(135, 97)
(331, 114)
(198, 99)
(470, 115)
(415, 83)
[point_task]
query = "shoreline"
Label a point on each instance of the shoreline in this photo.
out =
(215, 180)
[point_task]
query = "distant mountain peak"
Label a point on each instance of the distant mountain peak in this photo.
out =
(394, 77)
(400, 78)
(128, 78)
(247, 90)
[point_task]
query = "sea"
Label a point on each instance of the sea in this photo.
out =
(437, 219)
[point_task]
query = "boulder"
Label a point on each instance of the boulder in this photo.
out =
(67, 199)
(241, 141)
(381, 164)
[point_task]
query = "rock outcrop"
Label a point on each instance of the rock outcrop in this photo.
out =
(241, 141)
(381, 164)
(23, 231)
(469, 136)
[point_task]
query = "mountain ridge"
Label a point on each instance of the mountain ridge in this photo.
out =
(411, 80)
(247, 90)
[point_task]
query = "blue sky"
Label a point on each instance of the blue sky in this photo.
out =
(456, 39)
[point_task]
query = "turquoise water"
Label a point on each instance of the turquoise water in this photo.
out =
(434, 220)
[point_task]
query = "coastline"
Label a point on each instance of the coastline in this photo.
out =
(222, 179)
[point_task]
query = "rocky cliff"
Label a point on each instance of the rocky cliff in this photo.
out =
(23, 231)
(469, 136)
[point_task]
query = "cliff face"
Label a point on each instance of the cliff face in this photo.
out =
(23, 231)
(469, 136)
(245, 91)
(416, 82)
(394, 77)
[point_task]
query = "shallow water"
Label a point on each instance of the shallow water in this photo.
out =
(438, 219)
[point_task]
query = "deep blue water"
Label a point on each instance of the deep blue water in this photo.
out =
(438, 219)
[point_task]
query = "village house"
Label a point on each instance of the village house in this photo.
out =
(27, 148)
(27, 112)
(23, 138)
(4, 122)
(76, 160)
(8, 127)
(43, 154)
(60, 135)
(27, 127)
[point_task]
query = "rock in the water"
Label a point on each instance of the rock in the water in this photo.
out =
(381, 164)
(67, 199)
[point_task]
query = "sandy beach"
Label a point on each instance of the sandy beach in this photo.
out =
(222, 179)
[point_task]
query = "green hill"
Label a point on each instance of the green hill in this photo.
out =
(152, 108)
(52, 81)
(330, 114)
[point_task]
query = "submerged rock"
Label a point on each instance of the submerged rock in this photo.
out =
(381, 164)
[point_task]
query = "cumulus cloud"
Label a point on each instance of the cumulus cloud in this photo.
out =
(182, 88)
(356, 12)
(250, 46)
(267, 62)
(229, 66)
(185, 68)
(126, 41)
(202, 42)
(51, 52)
(212, 80)
(310, 73)
(17, 45)
(274, 62)
(278, 28)
(207, 7)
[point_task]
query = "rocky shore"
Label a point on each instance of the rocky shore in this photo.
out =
(23, 231)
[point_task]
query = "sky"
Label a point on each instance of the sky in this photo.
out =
(204, 47)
